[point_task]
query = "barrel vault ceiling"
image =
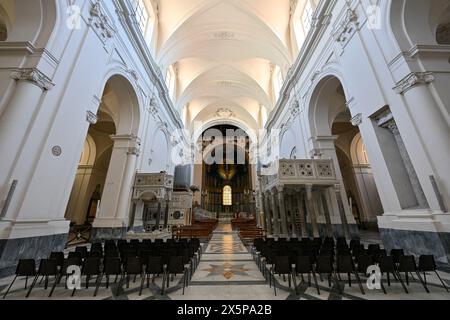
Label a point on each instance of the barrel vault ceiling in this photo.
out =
(224, 52)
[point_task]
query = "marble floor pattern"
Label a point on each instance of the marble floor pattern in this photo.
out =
(227, 271)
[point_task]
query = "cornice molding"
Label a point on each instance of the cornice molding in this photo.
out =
(34, 76)
(413, 80)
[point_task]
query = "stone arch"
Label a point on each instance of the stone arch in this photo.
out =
(417, 22)
(32, 21)
(329, 91)
(160, 150)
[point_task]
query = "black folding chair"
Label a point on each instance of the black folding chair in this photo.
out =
(47, 268)
(408, 265)
(281, 267)
(344, 264)
(133, 267)
(303, 266)
(83, 251)
(428, 264)
(387, 265)
(26, 268)
(175, 266)
(153, 268)
(73, 260)
(59, 257)
(91, 267)
(112, 266)
(324, 265)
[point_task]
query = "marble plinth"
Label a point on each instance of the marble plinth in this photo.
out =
(12, 250)
(418, 242)
(99, 234)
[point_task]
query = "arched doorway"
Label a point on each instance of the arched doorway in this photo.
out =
(334, 138)
(101, 194)
(226, 172)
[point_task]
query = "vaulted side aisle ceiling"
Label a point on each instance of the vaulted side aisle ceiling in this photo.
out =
(224, 55)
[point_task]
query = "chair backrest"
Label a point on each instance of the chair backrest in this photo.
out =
(112, 266)
(427, 263)
(282, 265)
(133, 265)
(82, 250)
(324, 264)
(303, 264)
(91, 266)
(175, 265)
(344, 264)
(387, 264)
(364, 261)
(154, 265)
(407, 264)
(26, 268)
(48, 267)
(71, 261)
(59, 257)
(74, 254)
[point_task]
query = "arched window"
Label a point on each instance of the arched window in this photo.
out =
(227, 196)
(142, 14)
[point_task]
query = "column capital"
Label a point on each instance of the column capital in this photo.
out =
(33, 75)
(357, 120)
(412, 80)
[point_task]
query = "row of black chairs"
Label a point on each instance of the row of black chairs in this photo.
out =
(293, 258)
(122, 259)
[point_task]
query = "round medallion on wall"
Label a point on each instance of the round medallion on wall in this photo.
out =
(177, 215)
(56, 151)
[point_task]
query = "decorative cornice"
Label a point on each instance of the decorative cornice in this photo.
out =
(100, 22)
(34, 76)
(347, 28)
(412, 80)
(356, 120)
(91, 117)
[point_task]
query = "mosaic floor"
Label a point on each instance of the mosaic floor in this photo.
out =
(226, 271)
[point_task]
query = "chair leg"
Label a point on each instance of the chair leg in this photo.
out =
(107, 281)
(32, 286)
(349, 279)
(401, 281)
(26, 282)
(142, 283)
(99, 281)
(295, 282)
(315, 281)
(54, 286)
(423, 283)
(184, 281)
(9, 288)
(274, 284)
(382, 286)
(359, 283)
(389, 279)
(443, 284)
(289, 280)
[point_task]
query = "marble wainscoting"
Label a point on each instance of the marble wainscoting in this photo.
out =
(418, 242)
(12, 250)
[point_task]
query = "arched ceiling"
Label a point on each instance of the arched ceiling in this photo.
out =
(223, 52)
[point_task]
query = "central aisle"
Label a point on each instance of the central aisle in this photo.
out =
(227, 272)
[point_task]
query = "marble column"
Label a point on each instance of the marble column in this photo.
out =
(17, 117)
(166, 213)
(276, 221)
(268, 213)
(427, 114)
(312, 212)
(301, 212)
(158, 214)
(282, 209)
(290, 205)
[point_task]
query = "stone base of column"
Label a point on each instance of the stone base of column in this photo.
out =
(99, 234)
(417, 232)
(39, 247)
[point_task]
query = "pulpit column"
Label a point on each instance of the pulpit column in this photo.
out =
(267, 213)
(312, 212)
(282, 210)
(301, 212)
(276, 221)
